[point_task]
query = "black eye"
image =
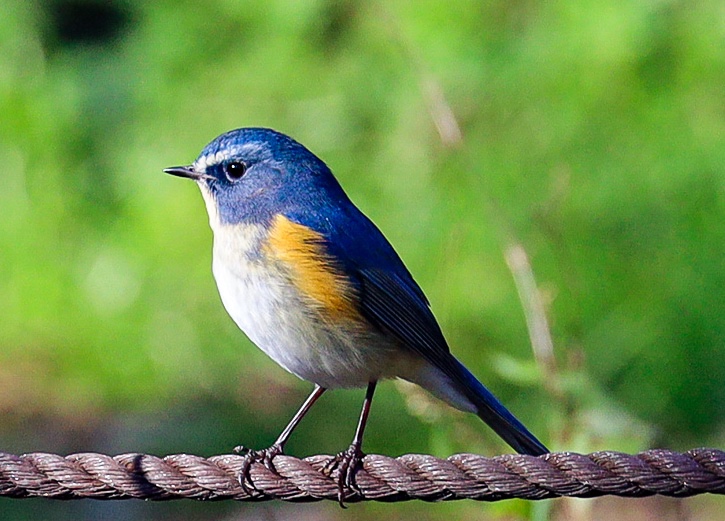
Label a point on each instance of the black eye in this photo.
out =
(235, 170)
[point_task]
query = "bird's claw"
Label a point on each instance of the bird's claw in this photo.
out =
(263, 456)
(347, 463)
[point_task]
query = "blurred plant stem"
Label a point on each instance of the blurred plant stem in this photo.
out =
(543, 347)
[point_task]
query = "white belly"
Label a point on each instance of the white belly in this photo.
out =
(264, 303)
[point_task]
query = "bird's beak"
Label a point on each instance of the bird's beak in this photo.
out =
(185, 171)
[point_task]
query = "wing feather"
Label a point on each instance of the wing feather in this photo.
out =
(390, 303)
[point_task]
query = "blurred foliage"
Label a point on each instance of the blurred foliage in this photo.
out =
(592, 134)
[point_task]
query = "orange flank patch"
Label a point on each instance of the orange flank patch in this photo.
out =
(313, 270)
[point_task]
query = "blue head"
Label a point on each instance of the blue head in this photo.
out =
(251, 174)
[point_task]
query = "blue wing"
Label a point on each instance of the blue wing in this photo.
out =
(392, 301)
(389, 297)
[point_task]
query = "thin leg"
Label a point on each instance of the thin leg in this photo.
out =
(265, 456)
(292, 425)
(348, 462)
(357, 440)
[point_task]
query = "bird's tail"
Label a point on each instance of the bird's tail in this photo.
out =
(498, 417)
(467, 393)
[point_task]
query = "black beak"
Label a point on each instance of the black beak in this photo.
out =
(185, 171)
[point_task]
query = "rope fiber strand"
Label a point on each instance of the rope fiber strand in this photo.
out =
(380, 478)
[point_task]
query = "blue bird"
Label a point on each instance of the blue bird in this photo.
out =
(315, 285)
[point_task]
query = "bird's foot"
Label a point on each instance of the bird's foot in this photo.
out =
(347, 463)
(263, 456)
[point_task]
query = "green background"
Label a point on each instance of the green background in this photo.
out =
(589, 135)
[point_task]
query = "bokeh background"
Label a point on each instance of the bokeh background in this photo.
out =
(557, 163)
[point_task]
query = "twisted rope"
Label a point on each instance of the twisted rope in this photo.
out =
(413, 476)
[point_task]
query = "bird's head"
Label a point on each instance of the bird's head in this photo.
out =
(251, 174)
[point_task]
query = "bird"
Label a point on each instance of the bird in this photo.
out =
(315, 284)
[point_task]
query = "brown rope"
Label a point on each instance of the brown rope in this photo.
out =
(413, 476)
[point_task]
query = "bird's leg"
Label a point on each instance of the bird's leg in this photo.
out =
(348, 461)
(266, 456)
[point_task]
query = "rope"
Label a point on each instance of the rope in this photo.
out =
(380, 478)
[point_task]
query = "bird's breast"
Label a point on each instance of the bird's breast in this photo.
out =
(294, 302)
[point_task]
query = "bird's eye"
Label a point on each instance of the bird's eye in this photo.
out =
(235, 170)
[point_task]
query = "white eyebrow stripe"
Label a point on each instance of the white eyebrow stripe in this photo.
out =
(202, 163)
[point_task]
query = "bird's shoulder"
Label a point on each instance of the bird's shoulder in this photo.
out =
(317, 273)
(345, 243)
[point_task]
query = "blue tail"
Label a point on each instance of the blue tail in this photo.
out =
(490, 410)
